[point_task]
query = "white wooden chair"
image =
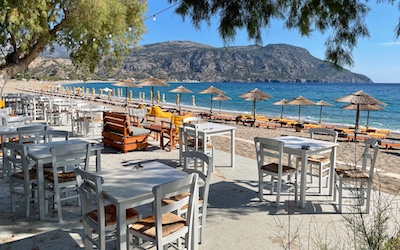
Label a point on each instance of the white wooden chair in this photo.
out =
(29, 134)
(358, 181)
(193, 142)
(322, 160)
(99, 219)
(62, 178)
(20, 174)
(164, 227)
(205, 178)
(265, 150)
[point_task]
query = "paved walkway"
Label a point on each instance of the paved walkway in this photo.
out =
(235, 218)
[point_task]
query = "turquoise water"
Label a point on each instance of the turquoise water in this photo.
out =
(389, 118)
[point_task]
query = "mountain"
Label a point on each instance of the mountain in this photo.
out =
(189, 61)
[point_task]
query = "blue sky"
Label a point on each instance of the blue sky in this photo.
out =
(377, 57)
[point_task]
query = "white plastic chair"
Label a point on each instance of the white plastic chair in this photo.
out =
(265, 150)
(98, 217)
(358, 181)
(164, 227)
(62, 179)
(322, 160)
(20, 174)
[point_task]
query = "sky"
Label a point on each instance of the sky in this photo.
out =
(377, 56)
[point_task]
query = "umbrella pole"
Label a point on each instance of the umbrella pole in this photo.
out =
(282, 112)
(126, 96)
(220, 104)
(210, 103)
(179, 103)
(299, 112)
(254, 111)
(152, 100)
(320, 114)
(367, 119)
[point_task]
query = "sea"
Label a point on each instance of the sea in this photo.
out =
(388, 118)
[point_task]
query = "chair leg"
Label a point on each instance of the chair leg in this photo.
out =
(320, 178)
(340, 195)
(368, 197)
(278, 191)
(260, 186)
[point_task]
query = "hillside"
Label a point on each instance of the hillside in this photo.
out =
(183, 61)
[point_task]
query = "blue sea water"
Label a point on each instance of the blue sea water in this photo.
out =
(389, 118)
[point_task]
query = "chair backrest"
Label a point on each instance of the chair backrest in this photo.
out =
(15, 158)
(51, 135)
(191, 119)
(90, 191)
(370, 154)
(28, 134)
(188, 184)
(272, 148)
(204, 176)
(70, 155)
(324, 131)
(190, 136)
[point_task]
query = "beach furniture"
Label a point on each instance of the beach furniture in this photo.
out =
(322, 160)
(120, 134)
(98, 217)
(360, 137)
(194, 142)
(170, 131)
(60, 183)
(164, 227)
(205, 177)
(223, 117)
(311, 126)
(263, 124)
(356, 180)
(20, 174)
(305, 147)
(388, 143)
(267, 149)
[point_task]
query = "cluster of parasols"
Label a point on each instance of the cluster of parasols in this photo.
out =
(357, 101)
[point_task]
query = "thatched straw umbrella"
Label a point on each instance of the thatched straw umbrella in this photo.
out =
(153, 82)
(367, 107)
(127, 84)
(221, 98)
(322, 103)
(254, 96)
(179, 90)
(283, 103)
(359, 98)
(300, 101)
(212, 91)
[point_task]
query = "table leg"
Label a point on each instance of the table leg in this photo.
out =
(98, 160)
(121, 227)
(233, 148)
(331, 172)
(303, 178)
(41, 192)
(180, 146)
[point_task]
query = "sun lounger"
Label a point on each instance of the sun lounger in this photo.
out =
(379, 131)
(226, 118)
(308, 126)
(260, 124)
(360, 137)
(390, 143)
(287, 123)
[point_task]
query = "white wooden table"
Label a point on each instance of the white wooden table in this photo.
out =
(40, 153)
(86, 113)
(293, 146)
(131, 187)
(207, 130)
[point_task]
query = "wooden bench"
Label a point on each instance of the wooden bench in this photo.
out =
(118, 133)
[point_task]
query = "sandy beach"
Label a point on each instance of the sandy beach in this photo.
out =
(387, 170)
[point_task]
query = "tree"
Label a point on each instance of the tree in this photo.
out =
(93, 31)
(343, 19)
